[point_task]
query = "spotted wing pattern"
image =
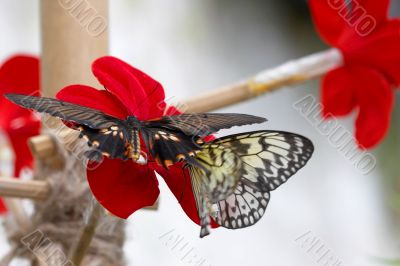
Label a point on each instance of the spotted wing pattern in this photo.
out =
(269, 158)
(113, 142)
(169, 147)
(214, 178)
(243, 208)
(266, 160)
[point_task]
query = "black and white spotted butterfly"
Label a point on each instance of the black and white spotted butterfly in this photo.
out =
(169, 139)
(238, 172)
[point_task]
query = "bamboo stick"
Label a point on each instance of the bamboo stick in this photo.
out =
(72, 39)
(292, 72)
(42, 146)
(30, 189)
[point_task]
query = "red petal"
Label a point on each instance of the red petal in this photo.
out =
(327, 20)
(123, 187)
(23, 155)
(379, 50)
(379, 10)
(20, 74)
(172, 110)
(90, 97)
(3, 208)
(338, 96)
(141, 95)
(180, 185)
(376, 98)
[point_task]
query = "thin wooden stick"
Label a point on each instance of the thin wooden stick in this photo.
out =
(30, 189)
(81, 247)
(292, 72)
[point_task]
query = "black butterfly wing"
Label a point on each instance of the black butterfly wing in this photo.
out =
(202, 124)
(174, 138)
(113, 142)
(168, 147)
(81, 115)
(106, 134)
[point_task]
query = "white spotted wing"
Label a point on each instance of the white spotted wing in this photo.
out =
(267, 159)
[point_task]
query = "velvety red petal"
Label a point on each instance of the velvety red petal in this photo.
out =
(179, 183)
(378, 10)
(141, 95)
(3, 208)
(171, 110)
(338, 92)
(375, 98)
(123, 187)
(327, 20)
(97, 99)
(20, 74)
(23, 155)
(21, 127)
(379, 50)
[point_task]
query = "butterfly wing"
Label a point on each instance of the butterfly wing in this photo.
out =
(202, 124)
(78, 114)
(168, 147)
(174, 138)
(269, 158)
(243, 208)
(107, 134)
(214, 177)
(266, 160)
(199, 192)
(113, 142)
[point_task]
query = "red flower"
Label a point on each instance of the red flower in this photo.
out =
(19, 74)
(369, 42)
(123, 187)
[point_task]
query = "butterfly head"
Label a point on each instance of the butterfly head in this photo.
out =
(133, 122)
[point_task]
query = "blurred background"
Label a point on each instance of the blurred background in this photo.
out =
(191, 46)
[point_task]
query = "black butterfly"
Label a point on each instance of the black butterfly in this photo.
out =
(169, 139)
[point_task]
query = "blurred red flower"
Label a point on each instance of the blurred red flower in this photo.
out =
(123, 187)
(19, 74)
(369, 42)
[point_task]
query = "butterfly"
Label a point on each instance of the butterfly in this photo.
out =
(169, 139)
(238, 172)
